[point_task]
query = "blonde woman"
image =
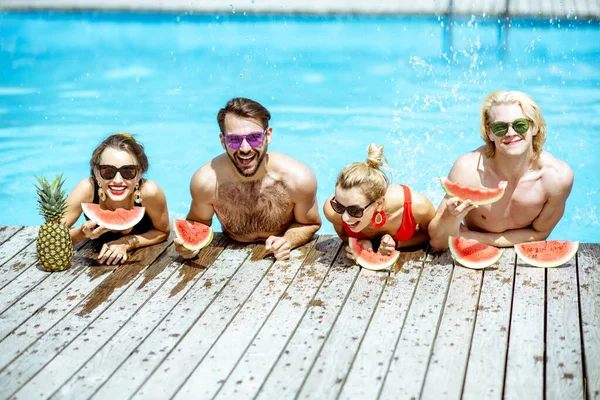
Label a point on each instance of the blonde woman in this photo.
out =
(117, 166)
(365, 206)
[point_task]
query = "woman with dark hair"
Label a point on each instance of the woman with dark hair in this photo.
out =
(117, 166)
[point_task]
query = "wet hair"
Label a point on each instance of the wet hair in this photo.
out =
(121, 141)
(244, 108)
(531, 110)
(368, 176)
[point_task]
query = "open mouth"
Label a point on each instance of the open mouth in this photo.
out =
(117, 190)
(353, 225)
(245, 159)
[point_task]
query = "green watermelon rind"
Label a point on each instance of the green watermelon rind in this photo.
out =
(91, 211)
(191, 246)
(547, 264)
(473, 265)
(356, 249)
(451, 193)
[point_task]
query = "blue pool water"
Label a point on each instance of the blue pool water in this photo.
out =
(333, 85)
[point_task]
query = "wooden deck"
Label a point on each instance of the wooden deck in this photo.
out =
(234, 324)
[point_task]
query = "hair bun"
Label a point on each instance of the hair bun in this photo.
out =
(375, 156)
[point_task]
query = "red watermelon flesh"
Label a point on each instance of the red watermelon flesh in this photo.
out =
(478, 196)
(194, 235)
(547, 253)
(115, 220)
(472, 254)
(369, 259)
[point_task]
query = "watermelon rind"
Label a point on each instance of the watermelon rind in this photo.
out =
(102, 217)
(521, 250)
(191, 246)
(360, 254)
(494, 253)
(461, 191)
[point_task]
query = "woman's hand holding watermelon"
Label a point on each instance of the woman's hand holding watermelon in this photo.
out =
(387, 245)
(364, 243)
(113, 253)
(91, 230)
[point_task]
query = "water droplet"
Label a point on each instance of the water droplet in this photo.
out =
(232, 8)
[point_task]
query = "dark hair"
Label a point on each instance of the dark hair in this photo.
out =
(245, 108)
(121, 141)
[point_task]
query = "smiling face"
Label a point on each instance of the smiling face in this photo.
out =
(246, 159)
(512, 143)
(117, 188)
(355, 197)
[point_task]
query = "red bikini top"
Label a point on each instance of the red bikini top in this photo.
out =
(407, 228)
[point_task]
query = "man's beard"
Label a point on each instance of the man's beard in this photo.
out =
(246, 172)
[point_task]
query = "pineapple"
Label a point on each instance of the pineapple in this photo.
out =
(54, 246)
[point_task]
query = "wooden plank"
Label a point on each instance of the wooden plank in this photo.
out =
(114, 351)
(377, 348)
(564, 370)
(448, 364)
(32, 275)
(14, 245)
(588, 266)
(193, 346)
(485, 371)
(46, 344)
(256, 363)
(74, 355)
(7, 231)
(331, 367)
(215, 367)
(146, 358)
(409, 364)
(526, 358)
(32, 316)
(288, 374)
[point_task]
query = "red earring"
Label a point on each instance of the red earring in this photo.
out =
(378, 219)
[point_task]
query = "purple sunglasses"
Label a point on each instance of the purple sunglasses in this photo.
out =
(254, 139)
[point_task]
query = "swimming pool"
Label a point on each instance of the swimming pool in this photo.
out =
(332, 84)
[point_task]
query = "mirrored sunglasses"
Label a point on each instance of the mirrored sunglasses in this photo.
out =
(520, 125)
(353, 211)
(110, 171)
(254, 139)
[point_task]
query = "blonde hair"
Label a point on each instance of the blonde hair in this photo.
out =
(531, 110)
(367, 176)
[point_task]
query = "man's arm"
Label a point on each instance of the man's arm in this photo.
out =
(306, 216)
(559, 189)
(202, 189)
(451, 212)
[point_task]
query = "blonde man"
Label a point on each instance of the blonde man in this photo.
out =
(365, 206)
(514, 131)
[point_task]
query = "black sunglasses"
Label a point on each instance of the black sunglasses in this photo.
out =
(520, 125)
(353, 211)
(110, 171)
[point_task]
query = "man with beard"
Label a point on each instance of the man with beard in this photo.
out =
(257, 195)
(514, 131)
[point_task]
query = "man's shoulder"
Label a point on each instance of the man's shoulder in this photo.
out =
(555, 173)
(465, 166)
(289, 169)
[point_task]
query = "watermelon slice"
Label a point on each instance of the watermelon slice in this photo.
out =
(472, 254)
(369, 259)
(546, 253)
(195, 235)
(117, 220)
(478, 196)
